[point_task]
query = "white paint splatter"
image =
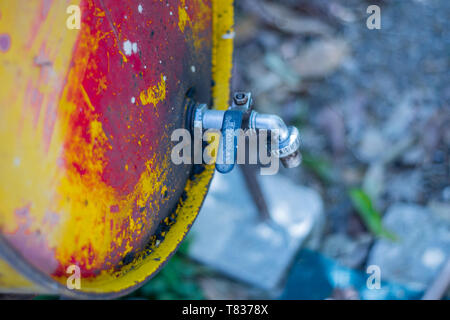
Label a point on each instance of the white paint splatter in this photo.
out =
(130, 47)
(133, 100)
(165, 78)
(433, 258)
(17, 161)
(127, 47)
(229, 35)
(193, 68)
(140, 8)
(171, 13)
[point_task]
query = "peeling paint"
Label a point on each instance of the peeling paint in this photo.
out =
(155, 93)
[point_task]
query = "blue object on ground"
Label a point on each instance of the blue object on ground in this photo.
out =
(314, 276)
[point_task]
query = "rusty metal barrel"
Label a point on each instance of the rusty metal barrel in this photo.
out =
(87, 113)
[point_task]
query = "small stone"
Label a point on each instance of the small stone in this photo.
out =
(423, 245)
(372, 146)
(414, 156)
(446, 194)
(347, 251)
(373, 183)
(440, 209)
(406, 186)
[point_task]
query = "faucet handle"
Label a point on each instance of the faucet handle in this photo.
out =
(227, 152)
(236, 117)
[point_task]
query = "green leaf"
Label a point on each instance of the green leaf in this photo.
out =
(46, 297)
(320, 166)
(371, 217)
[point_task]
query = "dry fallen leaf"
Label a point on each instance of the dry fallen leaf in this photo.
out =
(287, 20)
(321, 58)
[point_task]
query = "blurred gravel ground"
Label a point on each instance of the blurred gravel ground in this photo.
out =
(373, 106)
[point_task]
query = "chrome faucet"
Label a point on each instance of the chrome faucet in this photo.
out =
(241, 116)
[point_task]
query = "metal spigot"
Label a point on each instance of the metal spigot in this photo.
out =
(241, 116)
(289, 137)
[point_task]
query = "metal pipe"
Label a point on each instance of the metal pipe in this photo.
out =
(269, 122)
(212, 119)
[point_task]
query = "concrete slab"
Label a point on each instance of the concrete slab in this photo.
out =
(229, 236)
(421, 250)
